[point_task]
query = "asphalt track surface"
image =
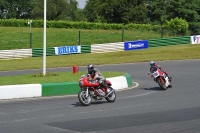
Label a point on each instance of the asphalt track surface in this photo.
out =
(141, 109)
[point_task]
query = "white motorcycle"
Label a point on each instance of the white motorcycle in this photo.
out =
(161, 78)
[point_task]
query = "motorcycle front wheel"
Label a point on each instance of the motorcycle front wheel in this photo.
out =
(83, 98)
(112, 97)
(161, 84)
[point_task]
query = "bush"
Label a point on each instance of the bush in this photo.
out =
(177, 25)
(75, 25)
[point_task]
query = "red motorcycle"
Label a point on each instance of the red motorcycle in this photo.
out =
(91, 90)
(161, 78)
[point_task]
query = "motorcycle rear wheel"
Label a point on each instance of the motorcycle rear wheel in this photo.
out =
(112, 97)
(85, 101)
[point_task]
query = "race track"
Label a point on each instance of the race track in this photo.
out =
(143, 109)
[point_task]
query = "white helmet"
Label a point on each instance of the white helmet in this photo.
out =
(152, 63)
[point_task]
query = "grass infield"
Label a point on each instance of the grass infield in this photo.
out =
(178, 52)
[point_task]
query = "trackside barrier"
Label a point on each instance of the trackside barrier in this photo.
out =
(94, 48)
(108, 47)
(195, 39)
(69, 88)
(85, 49)
(38, 52)
(136, 45)
(16, 53)
(129, 79)
(55, 89)
(20, 91)
(169, 41)
(64, 88)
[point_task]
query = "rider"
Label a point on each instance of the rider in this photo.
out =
(96, 75)
(154, 66)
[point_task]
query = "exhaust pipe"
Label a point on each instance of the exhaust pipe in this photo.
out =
(110, 93)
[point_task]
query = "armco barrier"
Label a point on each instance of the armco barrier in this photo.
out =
(169, 41)
(38, 52)
(55, 89)
(85, 49)
(95, 48)
(108, 47)
(20, 91)
(136, 45)
(17, 53)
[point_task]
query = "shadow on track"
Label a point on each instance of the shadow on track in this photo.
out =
(78, 104)
(154, 89)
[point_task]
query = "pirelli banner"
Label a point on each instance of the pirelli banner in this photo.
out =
(195, 39)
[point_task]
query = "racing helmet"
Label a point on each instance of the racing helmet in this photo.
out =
(90, 68)
(152, 63)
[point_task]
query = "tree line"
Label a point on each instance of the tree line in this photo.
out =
(105, 11)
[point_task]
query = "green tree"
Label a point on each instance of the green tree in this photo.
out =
(92, 10)
(55, 9)
(3, 8)
(16, 8)
(79, 15)
(116, 11)
(59, 10)
(169, 9)
(73, 13)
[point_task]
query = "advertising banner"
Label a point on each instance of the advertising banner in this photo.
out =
(195, 39)
(67, 50)
(136, 45)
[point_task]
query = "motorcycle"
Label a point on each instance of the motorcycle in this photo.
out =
(161, 78)
(91, 90)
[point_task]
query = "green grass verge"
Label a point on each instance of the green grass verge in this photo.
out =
(178, 52)
(52, 78)
(19, 37)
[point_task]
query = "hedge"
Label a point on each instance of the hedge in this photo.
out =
(75, 25)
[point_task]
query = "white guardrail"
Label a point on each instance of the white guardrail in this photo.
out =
(107, 47)
(95, 48)
(20, 91)
(16, 53)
